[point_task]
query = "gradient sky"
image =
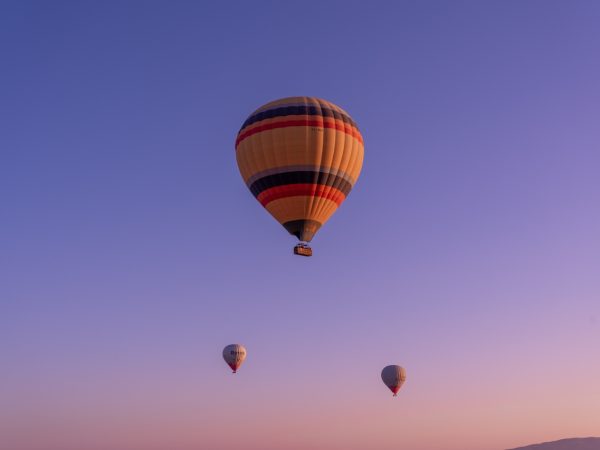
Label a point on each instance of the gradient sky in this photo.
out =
(131, 251)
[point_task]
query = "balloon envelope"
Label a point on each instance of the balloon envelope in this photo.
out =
(234, 355)
(300, 157)
(393, 377)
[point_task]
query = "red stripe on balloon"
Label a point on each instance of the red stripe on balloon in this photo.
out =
(336, 124)
(292, 190)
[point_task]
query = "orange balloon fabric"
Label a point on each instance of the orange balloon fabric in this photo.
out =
(300, 157)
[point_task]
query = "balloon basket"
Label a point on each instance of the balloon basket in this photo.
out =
(302, 250)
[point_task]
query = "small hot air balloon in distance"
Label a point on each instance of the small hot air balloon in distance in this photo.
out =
(393, 377)
(234, 355)
(300, 157)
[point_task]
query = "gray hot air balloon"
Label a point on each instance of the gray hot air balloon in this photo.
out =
(393, 377)
(234, 355)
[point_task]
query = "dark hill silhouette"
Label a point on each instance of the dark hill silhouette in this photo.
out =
(590, 443)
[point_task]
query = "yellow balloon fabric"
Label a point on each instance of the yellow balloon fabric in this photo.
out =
(300, 157)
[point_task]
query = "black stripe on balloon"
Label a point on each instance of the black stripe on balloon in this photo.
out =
(298, 111)
(300, 177)
(304, 230)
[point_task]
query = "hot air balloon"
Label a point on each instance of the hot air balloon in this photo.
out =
(300, 157)
(393, 377)
(234, 355)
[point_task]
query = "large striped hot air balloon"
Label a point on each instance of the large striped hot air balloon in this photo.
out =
(300, 157)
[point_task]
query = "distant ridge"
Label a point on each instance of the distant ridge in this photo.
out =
(590, 443)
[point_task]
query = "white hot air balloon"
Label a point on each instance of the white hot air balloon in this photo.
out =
(393, 377)
(234, 355)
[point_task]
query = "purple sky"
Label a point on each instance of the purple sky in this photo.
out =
(131, 251)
